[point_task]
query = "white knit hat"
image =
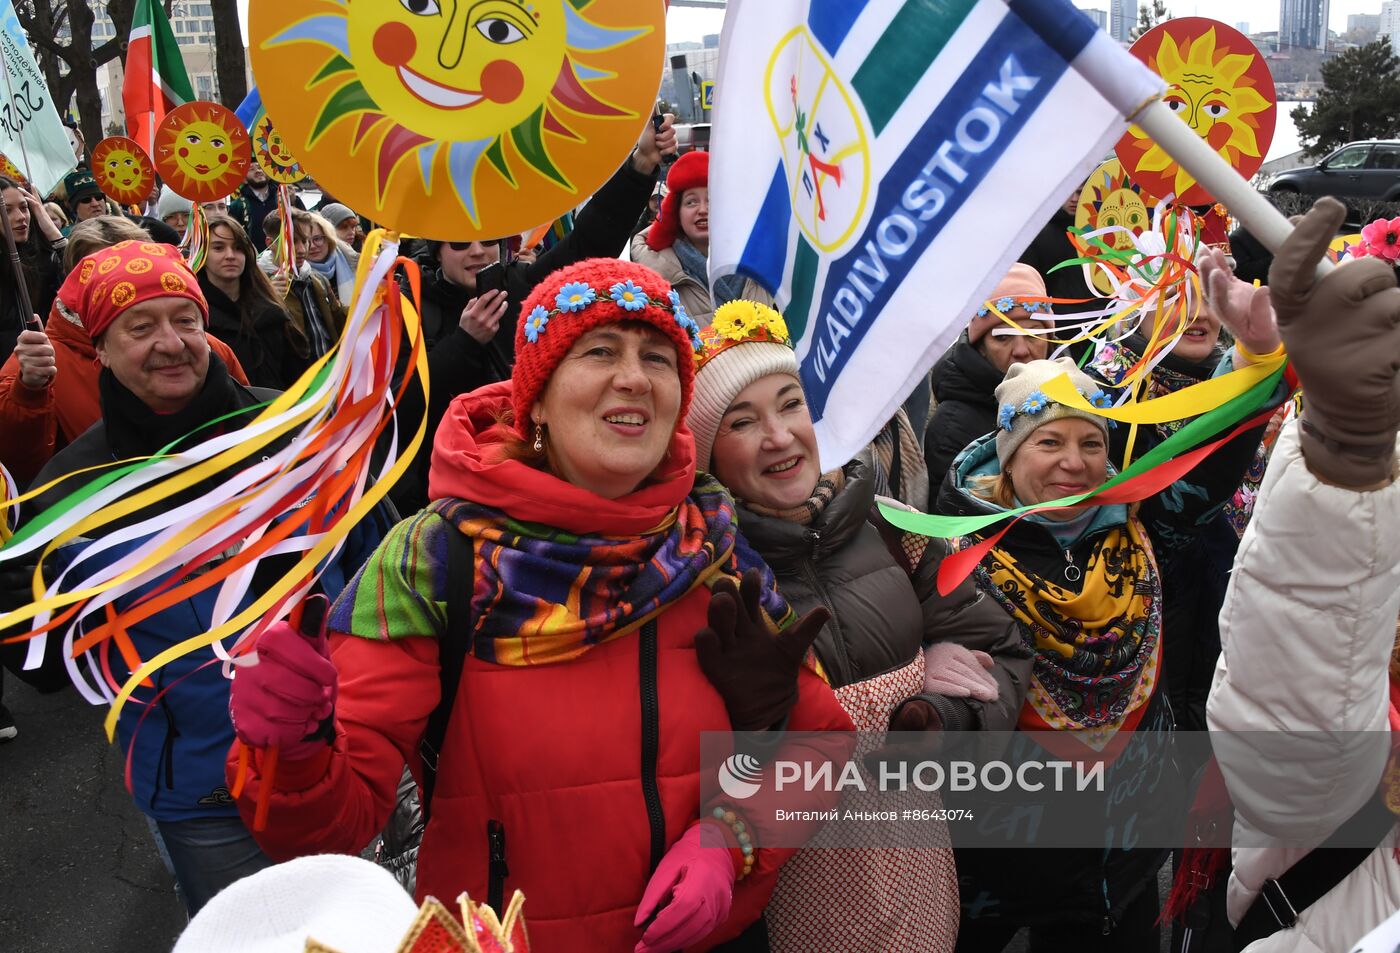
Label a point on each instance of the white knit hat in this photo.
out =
(345, 903)
(1022, 406)
(169, 203)
(745, 342)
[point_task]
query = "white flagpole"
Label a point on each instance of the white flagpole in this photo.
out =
(1255, 212)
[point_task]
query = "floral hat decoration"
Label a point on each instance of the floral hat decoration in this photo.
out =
(573, 301)
(746, 341)
(1022, 405)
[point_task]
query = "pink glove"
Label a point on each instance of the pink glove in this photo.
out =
(287, 695)
(690, 893)
(953, 671)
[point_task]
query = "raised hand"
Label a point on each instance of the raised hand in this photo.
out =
(1342, 334)
(754, 671)
(1241, 307)
(481, 318)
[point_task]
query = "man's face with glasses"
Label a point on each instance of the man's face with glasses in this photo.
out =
(462, 260)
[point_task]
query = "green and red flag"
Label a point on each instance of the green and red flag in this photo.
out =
(156, 81)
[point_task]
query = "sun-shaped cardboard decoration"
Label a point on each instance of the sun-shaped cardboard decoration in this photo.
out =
(459, 120)
(272, 153)
(202, 151)
(1219, 84)
(123, 170)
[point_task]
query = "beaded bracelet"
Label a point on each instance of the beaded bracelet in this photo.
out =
(1253, 358)
(741, 834)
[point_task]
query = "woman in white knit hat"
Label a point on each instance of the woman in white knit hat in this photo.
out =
(1083, 587)
(896, 653)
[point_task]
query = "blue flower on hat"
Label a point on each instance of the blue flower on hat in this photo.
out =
(575, 296)
(1101, 398)
(1006, 303)
(1007, 415)
(628, 295)
(675, 300)
(691, 329)
(534, 324)
(1035, 403)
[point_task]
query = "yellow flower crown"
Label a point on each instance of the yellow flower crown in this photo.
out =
(740, 322)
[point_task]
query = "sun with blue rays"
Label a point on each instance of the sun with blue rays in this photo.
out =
(510, 109)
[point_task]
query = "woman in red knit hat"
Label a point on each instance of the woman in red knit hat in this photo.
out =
(584, 671)
(677, 244)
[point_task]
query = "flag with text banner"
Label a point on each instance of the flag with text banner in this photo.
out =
(31, 132)
(878, 165)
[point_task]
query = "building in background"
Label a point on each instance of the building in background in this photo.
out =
(193, 24)
(1364, 21)
(1122, 17)
(1303, 23)
(1243, 27)
(1388, 22)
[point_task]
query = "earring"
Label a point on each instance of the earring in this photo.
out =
(539, 438)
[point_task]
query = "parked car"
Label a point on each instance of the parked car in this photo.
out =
(1358, 170)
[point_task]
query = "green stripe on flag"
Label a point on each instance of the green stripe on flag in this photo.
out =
(804, 280)
(902, 55)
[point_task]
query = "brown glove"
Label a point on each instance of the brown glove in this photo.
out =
(1342, 338)
(754, 671)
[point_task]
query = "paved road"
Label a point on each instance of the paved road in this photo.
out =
(78, 870)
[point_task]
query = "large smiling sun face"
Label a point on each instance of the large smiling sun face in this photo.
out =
(201, 151)
(537, 100)
(448, 69)
(1219, 85)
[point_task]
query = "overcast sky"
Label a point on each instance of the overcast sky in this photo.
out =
(691, 24)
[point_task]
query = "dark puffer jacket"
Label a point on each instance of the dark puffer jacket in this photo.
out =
(879, 620)
(964, 386)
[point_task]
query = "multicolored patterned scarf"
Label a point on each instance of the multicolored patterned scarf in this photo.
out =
(543, 596)
(1097, 652)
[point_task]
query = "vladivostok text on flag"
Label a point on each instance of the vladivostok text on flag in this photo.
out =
(31, 132)
(156, 81)
(879, 165)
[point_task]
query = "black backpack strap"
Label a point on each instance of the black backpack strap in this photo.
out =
(452, 653)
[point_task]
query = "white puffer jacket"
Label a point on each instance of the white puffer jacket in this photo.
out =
(1306, 636)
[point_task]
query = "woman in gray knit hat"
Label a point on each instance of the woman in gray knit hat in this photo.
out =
(1084, 588)
(897, 653)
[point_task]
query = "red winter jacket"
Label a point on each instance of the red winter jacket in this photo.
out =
(554, 753)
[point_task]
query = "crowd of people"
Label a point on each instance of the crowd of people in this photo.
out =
(621, 536)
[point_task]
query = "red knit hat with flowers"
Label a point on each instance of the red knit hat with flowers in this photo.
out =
(109, 281)
(691, 171)
(573, 301)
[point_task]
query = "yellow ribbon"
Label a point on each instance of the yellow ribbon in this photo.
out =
(1181, 405)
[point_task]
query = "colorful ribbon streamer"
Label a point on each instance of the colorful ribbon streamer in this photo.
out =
(294, 481)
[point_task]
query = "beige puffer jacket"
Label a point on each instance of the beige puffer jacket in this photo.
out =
(1307, 632)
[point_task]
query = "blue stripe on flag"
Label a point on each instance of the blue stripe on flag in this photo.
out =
(1059, 23)
(907, 214)
(830, 20)
(249, 110)
(765, 252)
